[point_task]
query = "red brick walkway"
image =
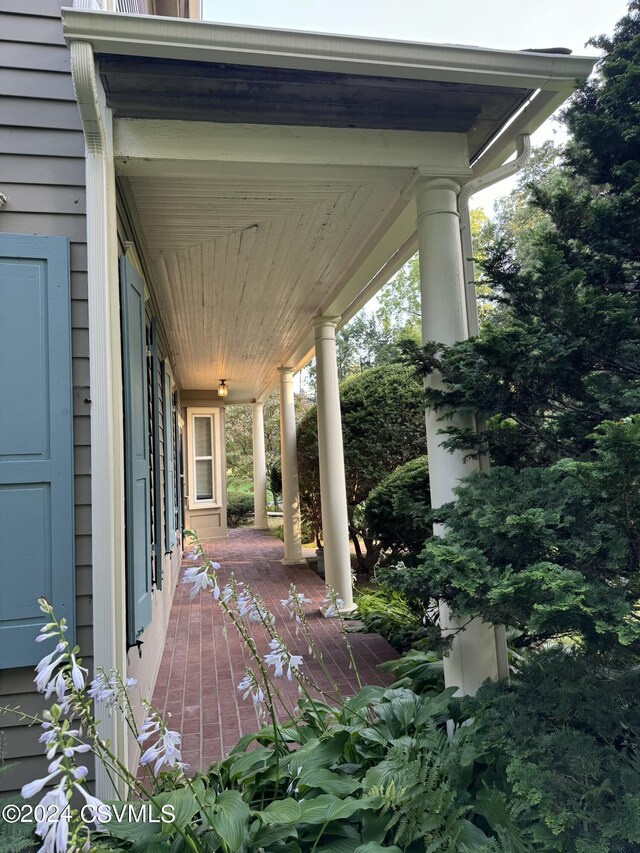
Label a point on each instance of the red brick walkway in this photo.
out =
(204, 659)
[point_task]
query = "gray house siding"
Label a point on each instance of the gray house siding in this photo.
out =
(42, 175)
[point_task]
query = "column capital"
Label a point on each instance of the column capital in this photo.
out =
(284, 371)
(257, 405)
(319, 322)
(428, 182)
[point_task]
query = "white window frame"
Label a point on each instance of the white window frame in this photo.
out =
(214, 414)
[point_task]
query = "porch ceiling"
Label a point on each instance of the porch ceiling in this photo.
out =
(240, 265)
(263, 170)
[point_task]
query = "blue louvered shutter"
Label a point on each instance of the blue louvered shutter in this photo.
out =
(179, 477)
(136, 434)
(169, 466)
(36, 442)
(156, 415)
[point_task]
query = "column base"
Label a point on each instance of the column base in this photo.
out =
(345, 612)
(300, 562)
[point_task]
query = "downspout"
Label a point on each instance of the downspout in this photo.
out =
(523, 154)
(107, 544)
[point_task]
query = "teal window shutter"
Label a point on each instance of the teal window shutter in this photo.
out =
(136, 445)
(156, 466)
(36, 443)
(178, 452)
(169, 466)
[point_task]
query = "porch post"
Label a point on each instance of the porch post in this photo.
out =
(333, 490)
(289, 461)
(259, 468)
(474, 655)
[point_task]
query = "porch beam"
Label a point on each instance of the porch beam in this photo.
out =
(259, 468)
(178, 142)
(333, 490)
(474, 656)
(289, 461)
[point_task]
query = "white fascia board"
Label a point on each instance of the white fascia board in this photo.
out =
(175, 38)
(150, 140)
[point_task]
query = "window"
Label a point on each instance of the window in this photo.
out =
(204, 486)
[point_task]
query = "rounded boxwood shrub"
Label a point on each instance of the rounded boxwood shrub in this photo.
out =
(396, 511)
(239, 508)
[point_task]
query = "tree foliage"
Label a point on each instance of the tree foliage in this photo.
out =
(552, 551)
(397, 510)
(561, 352)
(569, 736)
(382, 427)
(548, 540)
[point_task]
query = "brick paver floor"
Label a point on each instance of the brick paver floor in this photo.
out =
(204, 659)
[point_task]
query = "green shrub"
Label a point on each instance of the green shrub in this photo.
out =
(396, 511)
(570, 734)
(550, 551)
(388, 613)
(382, 428)
(239, 508)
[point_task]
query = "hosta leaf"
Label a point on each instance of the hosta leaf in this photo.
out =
(471, 839)
(229, 817)
(184, 806)
(329, 782)
(281, 811)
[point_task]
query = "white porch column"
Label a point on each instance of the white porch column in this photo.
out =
(289, 461)
(474, 656)
(259, 468)
(333, 491)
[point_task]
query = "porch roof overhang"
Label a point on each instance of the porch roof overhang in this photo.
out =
(266, 172)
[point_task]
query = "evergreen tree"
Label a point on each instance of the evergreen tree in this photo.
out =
(548, 541)
(561, 353)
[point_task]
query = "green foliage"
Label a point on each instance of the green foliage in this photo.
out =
(382, 428)
(239, 508)
(387, 612)
(561, 351)
(552, 551)
(420, 671)
(569, 731)
(384, 775)
(14, 837)
(396, 511)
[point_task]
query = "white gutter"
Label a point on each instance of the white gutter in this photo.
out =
(202, 41)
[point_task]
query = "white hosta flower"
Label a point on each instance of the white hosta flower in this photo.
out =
(294, 602)
(77, 673)
(45, 671)
(150, 726)
(279, 658)
(165, 750)
(32, 788)
(331, 606)
(199, 577)
(54, 833)
(104, 689)
(249, 687)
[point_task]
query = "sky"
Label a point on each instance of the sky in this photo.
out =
(500, 24)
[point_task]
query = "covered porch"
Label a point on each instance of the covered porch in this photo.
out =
(260, 186)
